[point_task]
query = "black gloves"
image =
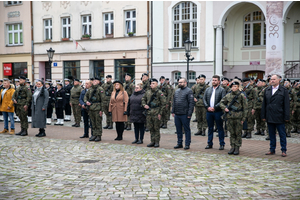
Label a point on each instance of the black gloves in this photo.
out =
(109, 113)
(125, 113)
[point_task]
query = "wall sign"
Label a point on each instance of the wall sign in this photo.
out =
(7, 69)
(13, 14)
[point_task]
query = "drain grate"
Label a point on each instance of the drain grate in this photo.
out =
(88, 161)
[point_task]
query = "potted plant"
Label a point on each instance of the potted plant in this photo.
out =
(65, 39)
(48, 40)
(85, 37)
(109, 35)
(130, 34)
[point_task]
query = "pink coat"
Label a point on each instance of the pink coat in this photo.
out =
(117, 106)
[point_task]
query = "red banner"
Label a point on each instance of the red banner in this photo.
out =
(7, 69)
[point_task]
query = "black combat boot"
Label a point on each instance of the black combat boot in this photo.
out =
(244, 134)
(195, 120)
(262, 132)
(98, 138)
(151, 144)
(236, 151)
(156, 144)
(164, 126)
(268, 138)
(225, 134)
(128, 127)
(231, 150)
(198, 133)
(294, 130)
(92, 138)
(248, 134)
(125, 127)
(24, 133)
(110, 126)
(257, 132)
(140, 142)
(146, 130)
(105, 127)
(19, 132)
(288, 134)
(203, 132)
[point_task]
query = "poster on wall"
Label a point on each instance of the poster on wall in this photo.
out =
(274, 34)
(7, 69)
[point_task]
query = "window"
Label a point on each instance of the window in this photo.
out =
(130, 21)
(122, 67)
(15, 34)
(87, 25)
(108, 24)
(72, 68)
(99, 68)
(184, 23)
(48, 29)
(176, 76)
(66, 27)
(11, 3)
(192, 76)
(254, 29)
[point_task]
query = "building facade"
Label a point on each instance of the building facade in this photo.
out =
(91, 38)
(15, 39)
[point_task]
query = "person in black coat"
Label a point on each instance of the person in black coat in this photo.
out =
(135, 111)
(51, 101)
(276, 111)
(59, 104)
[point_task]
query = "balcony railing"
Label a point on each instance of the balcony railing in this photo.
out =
(292, 69)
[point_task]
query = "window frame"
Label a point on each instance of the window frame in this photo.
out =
(131, 19)
(19, 31)
(251, 22)
(13, 4)
(68, 32)
(87, 23)
(110, 23)
(178, 22)
(48, 29)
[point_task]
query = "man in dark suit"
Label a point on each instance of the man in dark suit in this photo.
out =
(86, 118)
(276, 111)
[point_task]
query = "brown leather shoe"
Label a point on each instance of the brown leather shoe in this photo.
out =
(270, 153)
(283, 154)
(4, 131)
(12, 131)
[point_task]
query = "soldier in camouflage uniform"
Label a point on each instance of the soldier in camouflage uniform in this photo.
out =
(293, 99)
(236, 103)
(200, 110)
(74, 102)
(94, 99)
(251, 96)
(260, 124)
(225, 85)
(108, 88)
(129, 88)
(154, 101)
(296, 115)
(171, 98)
(22, 98)
(146, 87)
(167, 93)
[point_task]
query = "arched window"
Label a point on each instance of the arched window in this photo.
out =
(254, 29)
(184, 23)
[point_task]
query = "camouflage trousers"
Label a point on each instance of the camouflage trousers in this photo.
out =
(76, 112)
(289, 124)
(260, 124)
(22, 114)
(235, 128)
(296, 118)
(128, 121)
(169, 111)
(201, 117)
(164, 115)
(96, 121)
(105, 110)
(250, 120)
(153, 124)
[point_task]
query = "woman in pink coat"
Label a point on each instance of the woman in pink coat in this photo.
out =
(118, 107)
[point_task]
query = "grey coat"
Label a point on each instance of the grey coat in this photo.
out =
(38, 115)
(219, 94)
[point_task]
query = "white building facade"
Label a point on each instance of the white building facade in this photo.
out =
(90, 38)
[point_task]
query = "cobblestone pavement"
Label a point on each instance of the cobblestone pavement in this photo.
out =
(43, 168)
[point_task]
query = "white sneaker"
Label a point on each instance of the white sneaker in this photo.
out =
(1, 118)
(29, 119)
(57, 123)
(48, 121)
(61, 122)
(17, 119)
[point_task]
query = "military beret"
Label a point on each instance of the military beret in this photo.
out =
(117, 81)
(162, 77)
(287, 80)
(108, 76)
(96, 78)
(22, 77)
(224, 78)
(245, 79)
(236, 77)
(76, 79)
(201, 76)
(145, 74)
(231, 79)
(252, 78)
(167, 79)
(261, 80)
(127, 74)
(153, 80)
(234, 83)
(269, 76)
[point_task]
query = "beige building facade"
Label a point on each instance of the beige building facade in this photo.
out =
(95, 38)
(15, 39)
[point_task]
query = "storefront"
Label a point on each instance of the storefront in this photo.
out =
(124, 66)
(14, 70)
(72, 69)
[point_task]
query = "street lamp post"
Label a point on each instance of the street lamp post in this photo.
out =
(50, 53)
(188, 47)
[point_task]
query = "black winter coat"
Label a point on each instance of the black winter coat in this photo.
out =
(135, 109)
(60, 99)
(183, 102)
(276, 108)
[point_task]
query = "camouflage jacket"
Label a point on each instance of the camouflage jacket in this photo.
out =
(198, 92)
(240, 105)
(146, 85)
(172, 92)
(166, 90)
(158, 103)
(293, 98)
(259, 99)
(251, 96)
(108, 88)
(296, 92)
(226, 88)
(75, 94)
(22, 95)
(129, 87)
(95, 98)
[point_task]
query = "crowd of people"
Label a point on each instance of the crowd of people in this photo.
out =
(229, 106)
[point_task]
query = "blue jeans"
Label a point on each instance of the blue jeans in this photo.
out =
(11, 117)
(272, 134)
(211, 117)
(183, 120)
